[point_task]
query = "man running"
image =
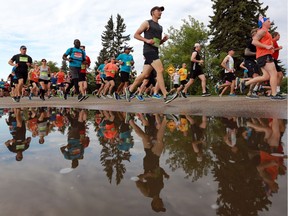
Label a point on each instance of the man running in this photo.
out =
(152, 40)
(76, 58)
(196, 71)
(22, 62)
(264, 50)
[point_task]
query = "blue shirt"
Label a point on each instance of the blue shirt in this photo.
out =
(101, 69)
(126, 59)
(77, 55)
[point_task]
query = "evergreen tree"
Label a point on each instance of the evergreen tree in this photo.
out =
(232, 22)
(113, 39)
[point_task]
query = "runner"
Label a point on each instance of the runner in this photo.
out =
(44, 78)
(76, 58)
(82, 76)
(196, 71)
(125, 60)
(22, 62)
(264, 50)
(152, 40)
(33, 76)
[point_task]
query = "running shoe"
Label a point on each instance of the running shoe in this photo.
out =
(140, 97)
(86, 97)
(217, 88)
(156, 96)
(237, 82)
(109, 96)
(183, 94)
(253, 95)
(30, 96)
(170, 97)
(81, 99)
(79, 96)
(242, 86)
(115, 96)
(103, 96)
(277, 97)
(232, 95)
(65, 95)
(128, 94)
(206, 94)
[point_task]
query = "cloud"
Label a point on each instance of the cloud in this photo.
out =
(48, 28)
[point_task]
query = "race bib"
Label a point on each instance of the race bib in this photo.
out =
(23, 59)
(128, 63)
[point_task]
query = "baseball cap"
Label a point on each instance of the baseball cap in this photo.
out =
(23, 47)
(161, 8)
(127, 47)
(261, 20)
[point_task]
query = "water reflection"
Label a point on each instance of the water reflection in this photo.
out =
(237, 164)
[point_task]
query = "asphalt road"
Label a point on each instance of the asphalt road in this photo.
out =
(195, 105)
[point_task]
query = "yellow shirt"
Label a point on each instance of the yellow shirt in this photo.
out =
(183, 74)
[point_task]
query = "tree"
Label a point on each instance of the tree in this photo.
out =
(179, 47)
(113, 39)
(232, 22)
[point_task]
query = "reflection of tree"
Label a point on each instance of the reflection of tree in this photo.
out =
(181, 155)
(112, 160)
(240, 190)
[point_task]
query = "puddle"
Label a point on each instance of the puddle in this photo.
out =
(71, 161)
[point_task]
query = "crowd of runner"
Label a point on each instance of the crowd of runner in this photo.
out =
(35, 79)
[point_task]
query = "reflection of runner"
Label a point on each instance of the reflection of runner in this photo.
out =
(19, 143)
(74, 150)
(269, 168)
(151, 183)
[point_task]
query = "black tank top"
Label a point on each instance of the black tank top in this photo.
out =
(154, 32)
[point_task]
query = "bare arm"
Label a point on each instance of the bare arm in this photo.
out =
(144, 26)
(223, 64)
(256, 40)
(248, 52)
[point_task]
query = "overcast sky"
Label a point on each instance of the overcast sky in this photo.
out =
(48, 28)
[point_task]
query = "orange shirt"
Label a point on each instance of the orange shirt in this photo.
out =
(110, 70)
(34, 76)
(266, 39)
(60, 77)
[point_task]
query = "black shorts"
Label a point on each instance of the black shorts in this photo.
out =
(278, 68)
(183, 82)
(152, 79)
(124, 76)
(109, 78)
(103, 80)
(252, 67)
(22, 76)
(229, 77)
(150, 57)
(82, 77)
(60, 85)
(31, 83)
(98, 86)
(176, 85)
(53, 86)
(45, 81)
(195, 73)
(261, 61)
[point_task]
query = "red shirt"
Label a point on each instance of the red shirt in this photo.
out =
(275, 55)
(85, 66)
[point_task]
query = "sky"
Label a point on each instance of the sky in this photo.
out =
(48, 28)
